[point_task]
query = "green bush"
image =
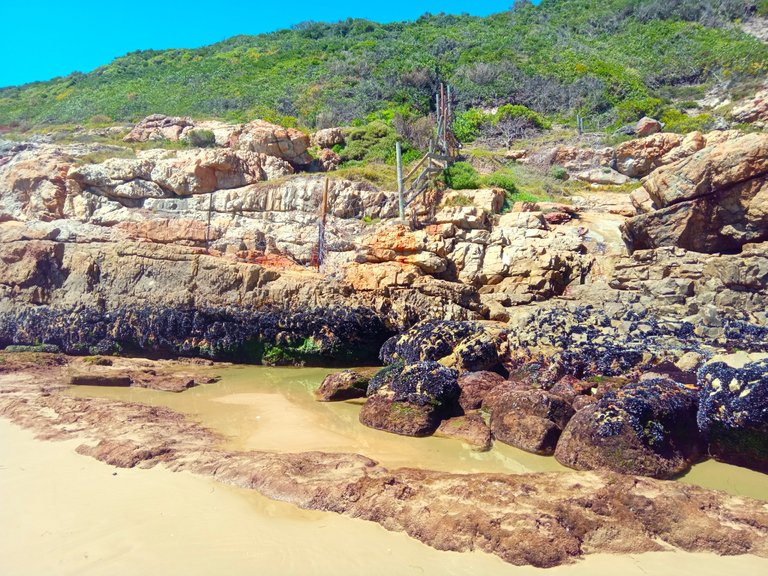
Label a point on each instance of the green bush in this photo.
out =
(510, 111)
(762, 8)
(466, 125)
(470, 125)
(500, 179)
(462, 176)
(202, 138)
(375, 142)
(558, 173)
(100, 120)
(630, 111)
(676, 121)
(458, 200)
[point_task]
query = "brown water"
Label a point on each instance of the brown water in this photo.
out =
(261, 408)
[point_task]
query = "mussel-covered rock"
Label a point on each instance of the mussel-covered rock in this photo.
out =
(410, 399)
(267, 335)
(463, 345)
(344, 385)
(733, 413)
(646, 428)
(531, 420)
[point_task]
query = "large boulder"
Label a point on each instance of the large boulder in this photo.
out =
(422, 383)
(531, 420)
(410, 399)
(647, 126)
(328, 137)
(713, 201)
(638, 158)
(33, 183)
(647, 428)
(263, 137)
(733, 413)
(470, 429)
(404, 418)
(752, 110)
(466, 346)
(603, 177)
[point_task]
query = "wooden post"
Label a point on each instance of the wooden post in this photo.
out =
(400, 183)
(208, 229)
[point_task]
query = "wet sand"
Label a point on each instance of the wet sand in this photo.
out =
(72, 515)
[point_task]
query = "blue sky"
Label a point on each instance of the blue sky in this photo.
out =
(44, 39)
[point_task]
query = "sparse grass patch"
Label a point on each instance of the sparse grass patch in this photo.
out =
(102, 155)
(97, 361)
(380, 175)
(458, 200)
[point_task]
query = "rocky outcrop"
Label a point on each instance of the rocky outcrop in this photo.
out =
(752, 110)
(182, 174)
(33, 180)
(733, 413)
(572, 158)
(262, 137)
(638, 158)
(344, 385)
(647, 428)
(713, 201)
(160, 127)
(257, 136)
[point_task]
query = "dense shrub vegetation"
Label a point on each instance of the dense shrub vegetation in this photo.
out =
(606, 58)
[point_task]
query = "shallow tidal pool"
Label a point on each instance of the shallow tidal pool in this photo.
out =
(273, 409)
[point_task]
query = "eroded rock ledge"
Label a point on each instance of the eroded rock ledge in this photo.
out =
(541, 519)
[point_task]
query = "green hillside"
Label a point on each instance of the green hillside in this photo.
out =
(602, 58)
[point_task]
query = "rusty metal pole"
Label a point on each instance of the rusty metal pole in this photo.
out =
(321, 225)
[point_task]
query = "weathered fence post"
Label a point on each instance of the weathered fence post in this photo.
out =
(400, 190)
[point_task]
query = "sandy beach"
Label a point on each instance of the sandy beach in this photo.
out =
(64, 513)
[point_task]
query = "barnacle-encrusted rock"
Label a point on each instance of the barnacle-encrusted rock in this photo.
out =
(733, 413)
(531, 420)
(475, 386)
(646, 428)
